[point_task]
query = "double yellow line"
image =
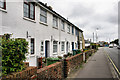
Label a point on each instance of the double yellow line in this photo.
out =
(113, 63)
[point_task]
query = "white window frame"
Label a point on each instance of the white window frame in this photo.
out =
(43, 15)
(55, 44)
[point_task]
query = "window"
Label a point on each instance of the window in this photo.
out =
(42, 46)
(76, 31)
(43, 15)
(2, 4)
(62, 25)
(54, 46)
(29, 10)
(55, 21)
(69, 28)
(32, 45)
(72, 30)
(63, 46)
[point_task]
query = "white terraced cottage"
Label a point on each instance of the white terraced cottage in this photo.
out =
(48, 33)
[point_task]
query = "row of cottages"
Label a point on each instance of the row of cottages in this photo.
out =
(48, 33)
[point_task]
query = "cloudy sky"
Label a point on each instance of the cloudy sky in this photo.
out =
(90, 15)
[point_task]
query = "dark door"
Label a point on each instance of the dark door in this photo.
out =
(46, 49)
(72, 45)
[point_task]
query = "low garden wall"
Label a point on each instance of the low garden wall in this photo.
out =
(73, 62)
(58, 70)
(52, 71)
(25, 74)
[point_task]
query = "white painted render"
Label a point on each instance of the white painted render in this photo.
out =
(13, 22)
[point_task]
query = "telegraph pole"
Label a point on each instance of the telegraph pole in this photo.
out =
(93, 37)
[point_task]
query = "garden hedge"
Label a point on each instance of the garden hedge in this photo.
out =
(13, 54)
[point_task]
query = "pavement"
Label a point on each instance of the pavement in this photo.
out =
(97, 67)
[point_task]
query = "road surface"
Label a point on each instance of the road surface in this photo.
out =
(114, 54)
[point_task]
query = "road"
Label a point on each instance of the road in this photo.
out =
(114, 54)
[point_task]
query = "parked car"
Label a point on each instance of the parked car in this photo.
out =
(111, 46)
(118, 46)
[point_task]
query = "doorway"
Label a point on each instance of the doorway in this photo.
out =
(47, 49)
(72, 45)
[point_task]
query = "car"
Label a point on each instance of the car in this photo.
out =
(118, 46)
(110, 46)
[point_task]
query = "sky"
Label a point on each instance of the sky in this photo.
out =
(98, 16)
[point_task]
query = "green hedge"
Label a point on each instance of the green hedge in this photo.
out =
(13, 54)
(52, 60)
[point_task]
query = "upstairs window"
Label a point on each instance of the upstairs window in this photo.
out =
(55, 21)
(43, 15)
(3, 4)
(62, 25)
(29, 10)
(72, 30)
(69, 28)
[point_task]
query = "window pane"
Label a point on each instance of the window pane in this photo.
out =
(62, 25)
(54, 46)
(31, 11)
(43, 16)
(2, 3)
(55, 22)
(26, 10)
(43, 19)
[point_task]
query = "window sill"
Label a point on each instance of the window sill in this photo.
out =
(43, 23)
(62, 52)
(63, 30)
(29, 19)
(3, 10)
(55, 53)
(32, 55)
(55, 27)
(68, 32)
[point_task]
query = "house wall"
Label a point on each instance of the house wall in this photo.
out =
(14, 22)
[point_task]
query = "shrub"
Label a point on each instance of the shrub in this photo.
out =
(52, 60)
(13, 54)
(60, 57)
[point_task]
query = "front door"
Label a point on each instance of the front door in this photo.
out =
(72, 45)
(47, 49)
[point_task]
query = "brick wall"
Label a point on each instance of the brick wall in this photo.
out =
(25, 74)
(57, 70)
(26, 64)
(52, 71)
(72, 63)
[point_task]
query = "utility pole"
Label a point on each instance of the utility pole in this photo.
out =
(93, 37)
(96, 37)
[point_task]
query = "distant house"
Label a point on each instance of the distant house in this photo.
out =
(48, 33)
